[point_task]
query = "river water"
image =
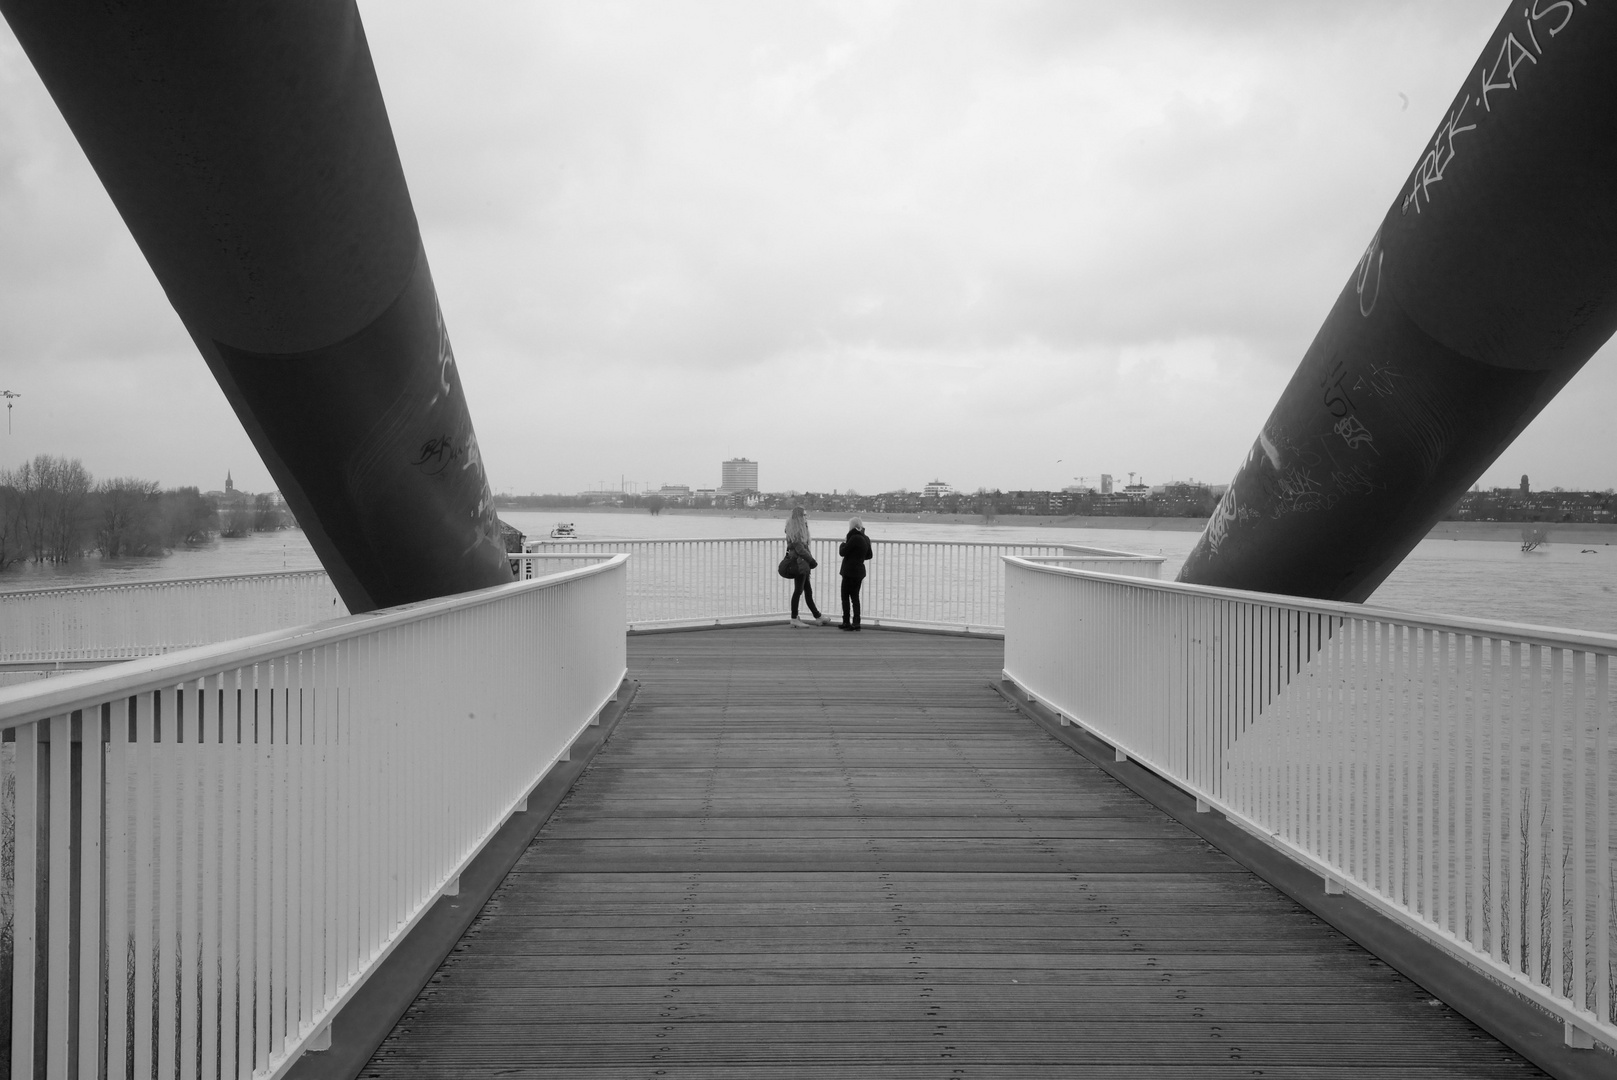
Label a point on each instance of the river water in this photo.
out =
(1558, 585)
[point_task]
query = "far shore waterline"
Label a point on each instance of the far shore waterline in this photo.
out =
(1569, 532)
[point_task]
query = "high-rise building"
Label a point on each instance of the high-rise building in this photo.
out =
(739, 474)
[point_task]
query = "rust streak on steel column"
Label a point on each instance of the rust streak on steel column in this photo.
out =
(248, 149)
(1490, 282)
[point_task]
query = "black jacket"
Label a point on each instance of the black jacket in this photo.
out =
(855, 552)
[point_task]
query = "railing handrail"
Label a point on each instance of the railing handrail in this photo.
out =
(49, 590)
(781, 538)
(31, 702)
(558, 555)
(1111, 553)
(1527, 633)
(1093, 558)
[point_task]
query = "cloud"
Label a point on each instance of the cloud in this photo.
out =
(863, 243)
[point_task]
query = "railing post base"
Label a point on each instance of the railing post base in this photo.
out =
(1334, 887)
(1120, 754)
(320, 1041)
(1202, 806)
(453, 888)
(1576, 1037)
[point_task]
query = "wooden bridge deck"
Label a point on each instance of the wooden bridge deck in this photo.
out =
(806, 853)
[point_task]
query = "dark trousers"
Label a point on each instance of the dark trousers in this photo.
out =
(850, 598)
(806, 591)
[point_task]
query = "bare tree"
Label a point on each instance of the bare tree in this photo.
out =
(13, 546)
(54, 493)
(127, 517)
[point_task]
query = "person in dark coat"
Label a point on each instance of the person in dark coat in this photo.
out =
(855, 552)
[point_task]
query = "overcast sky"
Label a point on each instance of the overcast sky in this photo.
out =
(864, 244)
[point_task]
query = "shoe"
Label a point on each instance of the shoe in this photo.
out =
(798, 624)
(825, 620)
(845, 626)
(856, 626)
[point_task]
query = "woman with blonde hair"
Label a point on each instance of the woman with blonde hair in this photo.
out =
(797, 543)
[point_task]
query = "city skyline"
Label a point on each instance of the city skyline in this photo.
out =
(872, 245)
(1120, 482)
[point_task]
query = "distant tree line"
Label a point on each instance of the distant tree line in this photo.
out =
(1177, 500)
(53, 510)
(540, 502)
(263, 514)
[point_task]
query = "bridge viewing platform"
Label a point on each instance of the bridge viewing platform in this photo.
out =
(1084, 822)
(805, 853)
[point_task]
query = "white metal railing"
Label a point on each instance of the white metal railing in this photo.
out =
(146, 618)
(1458, 775)
(929, 583)
(529, 565)
(213, 849)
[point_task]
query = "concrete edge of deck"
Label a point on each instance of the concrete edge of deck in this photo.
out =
(373, 1012)
(1508, 1017)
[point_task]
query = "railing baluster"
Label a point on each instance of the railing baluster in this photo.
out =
(91, 915)
(210, 806)
(1443, 758)
(1560, 743)
(59, 816)
(188, 823)
(1497, 892)
(168, 826)
(119, 955)
(1535, 815)
(142, 761)
(1469, 809)
(1578, 941)
(1605, 908)
(25, 914)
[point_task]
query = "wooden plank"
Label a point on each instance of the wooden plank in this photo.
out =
(815, 855)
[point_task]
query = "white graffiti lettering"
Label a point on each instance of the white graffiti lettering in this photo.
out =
(1381, 380)
(1511, 55)
(1438, 158)
(1354, 433)
(1501, 76)
(1534, 15)
(446, 359)
(1227, 513)
(1369, 278)
(1354, 481)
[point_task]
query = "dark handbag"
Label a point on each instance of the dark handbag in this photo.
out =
(798, 561)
